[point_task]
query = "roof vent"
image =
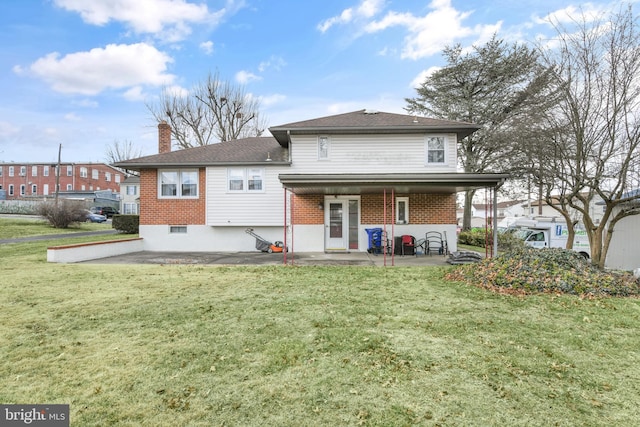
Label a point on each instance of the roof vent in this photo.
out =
(367, 111)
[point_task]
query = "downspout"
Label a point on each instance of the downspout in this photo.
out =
(495, 222)
(286, 194)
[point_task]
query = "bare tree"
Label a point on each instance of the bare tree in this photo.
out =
(595, 151)
(213, 111)
(122, 150)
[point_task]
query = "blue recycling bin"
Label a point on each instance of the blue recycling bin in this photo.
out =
(375, 240)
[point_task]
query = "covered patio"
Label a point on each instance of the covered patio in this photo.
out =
(385, 188)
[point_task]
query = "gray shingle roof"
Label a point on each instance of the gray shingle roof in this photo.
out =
(256, 150)
(366, 121)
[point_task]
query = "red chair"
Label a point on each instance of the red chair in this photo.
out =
(408, 245)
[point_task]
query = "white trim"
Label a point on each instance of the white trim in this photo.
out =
(430, 138)
(245, 173)
(179, 183)
(405, 219)
(324, 154)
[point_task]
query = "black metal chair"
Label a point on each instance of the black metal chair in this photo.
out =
(435, 243)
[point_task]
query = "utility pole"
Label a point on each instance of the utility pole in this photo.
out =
(58, 175)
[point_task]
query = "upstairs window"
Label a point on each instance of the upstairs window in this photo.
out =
(178, 183)
(11, 170)
(45, 170)
(435, 147)
(132, 190)
(23, 171)
(0, 170)
(95, 174)
(83, 172)
(34, 170)
(242, 180)
(323, 147)
(69, 170)
(107, 176)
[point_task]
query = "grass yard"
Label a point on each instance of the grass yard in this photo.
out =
(178, 345)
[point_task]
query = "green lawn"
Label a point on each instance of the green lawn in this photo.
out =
(12, 228)
(175, 345)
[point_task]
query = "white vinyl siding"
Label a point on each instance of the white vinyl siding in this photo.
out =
(245, 208)
(370, 154)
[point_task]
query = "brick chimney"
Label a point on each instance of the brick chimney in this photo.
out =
(164, 137)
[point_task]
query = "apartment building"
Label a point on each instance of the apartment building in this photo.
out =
(28, 180)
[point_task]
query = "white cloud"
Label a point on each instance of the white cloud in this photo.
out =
(244, 77)
(207, 47)
(112, 67)
(72, 117)
(425, 35)
(422, 76)
(8, 129)
(177, 91)
(429, 33)
(270, 100)
(365, 10)
(275, 62)
(134, 94)
(166, 19)
(571, 14)
(87, 103)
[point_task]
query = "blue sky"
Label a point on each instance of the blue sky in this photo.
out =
(78, 72)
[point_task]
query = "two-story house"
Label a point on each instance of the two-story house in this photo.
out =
(318, 185)
(130, 196)
(24, 180)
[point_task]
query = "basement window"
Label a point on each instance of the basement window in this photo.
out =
(178, 229)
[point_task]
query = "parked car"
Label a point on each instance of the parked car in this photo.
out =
(94, 217)
(107, 211)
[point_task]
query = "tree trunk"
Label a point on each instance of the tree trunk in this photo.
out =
(468, 203)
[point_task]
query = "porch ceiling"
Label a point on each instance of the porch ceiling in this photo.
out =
(400, 183)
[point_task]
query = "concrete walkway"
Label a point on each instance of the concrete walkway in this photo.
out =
(262, 258)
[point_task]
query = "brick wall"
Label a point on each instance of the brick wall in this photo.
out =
(155, 211)
(305, 209)
(164, 137)
(423, 209)
(75, 180)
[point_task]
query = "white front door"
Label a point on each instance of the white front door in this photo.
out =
(335, 225)
(45, 190)
(341, 220)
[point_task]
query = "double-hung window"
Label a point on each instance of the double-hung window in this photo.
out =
(323, 147)
(242, 180)
(436, 148)
(179, 183)
(83, 172)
